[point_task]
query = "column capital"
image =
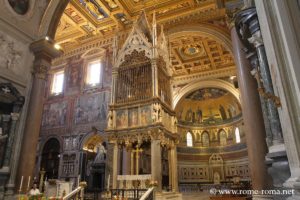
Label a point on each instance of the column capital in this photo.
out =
(44, 51)
(114, 71)
(230, 17)
(246, 23)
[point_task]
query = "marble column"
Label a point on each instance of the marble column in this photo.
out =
(126, 170)
(11, 136)
(249, 33)
(44, 52)
(252, 115)
(267, 84)
(156, 166)
(174, 168)
(4, 172)
(115, 166)
(282, 48)
(8, 155)
(264, 107)
(170, 169)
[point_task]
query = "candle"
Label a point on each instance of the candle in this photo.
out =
(108, 181)
(28, 185)
(78, 180)
(21, 184)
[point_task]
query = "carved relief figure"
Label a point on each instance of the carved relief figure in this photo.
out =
(156, 113)
(10, 57)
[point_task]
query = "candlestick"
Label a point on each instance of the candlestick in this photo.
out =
(28, 185)
(21, 184)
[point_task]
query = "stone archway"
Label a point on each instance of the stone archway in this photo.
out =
(50, 158)
(51, 18)
(203, 29)
(217, 83)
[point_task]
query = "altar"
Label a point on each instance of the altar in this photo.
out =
(142, 124)
(57, 188)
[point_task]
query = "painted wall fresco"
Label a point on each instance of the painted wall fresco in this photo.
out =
(133, 117)
(122, 119)
(75, 75)
(54, 115)
(146, 115)
(91, 108)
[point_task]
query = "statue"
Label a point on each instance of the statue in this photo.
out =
(110, 119)
(101, 152)
(217, 179)
(156, 117)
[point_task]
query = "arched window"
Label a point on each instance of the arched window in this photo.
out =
(189, 139)
(237, 135)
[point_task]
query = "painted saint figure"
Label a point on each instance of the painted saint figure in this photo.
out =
(199, 115)
(222, 112)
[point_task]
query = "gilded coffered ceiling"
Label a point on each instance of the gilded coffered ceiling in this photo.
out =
(193, 53)
(85, 21)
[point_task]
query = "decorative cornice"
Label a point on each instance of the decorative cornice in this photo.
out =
(219, 73)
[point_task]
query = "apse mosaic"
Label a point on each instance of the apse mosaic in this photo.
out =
(91, 108)
(19, 6)
(54, 115)
(206, 94)
(208, 106)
